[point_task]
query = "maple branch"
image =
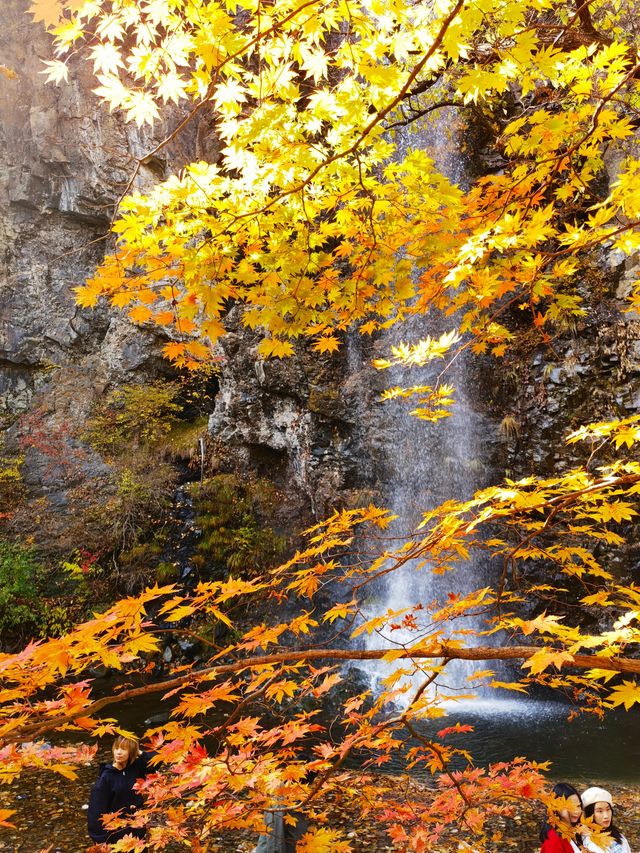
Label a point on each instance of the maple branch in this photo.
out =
(583, 13)
(416, 114)
(327, 774)
(434, 651)
(558, 504)
(429, 744)
(318, 784)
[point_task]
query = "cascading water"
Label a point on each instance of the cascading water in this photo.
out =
(424, 464)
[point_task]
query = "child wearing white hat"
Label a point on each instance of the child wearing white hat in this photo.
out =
(598, 806)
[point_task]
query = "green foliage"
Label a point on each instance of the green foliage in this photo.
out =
(19, 593)
(136, 427)
(40, 600)
(167, 572)
(134, 416)
(137, 512)
(85, 574)
(233, 517)
(132, 490)
(182, 440)
(54, 620)
(139, 563)
(11, 487)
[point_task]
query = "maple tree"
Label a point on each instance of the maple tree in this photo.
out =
(308, 218)
(312, 221)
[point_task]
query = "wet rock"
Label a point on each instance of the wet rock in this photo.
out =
(302, 423)
(158, 719)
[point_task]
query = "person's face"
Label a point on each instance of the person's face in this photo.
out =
(573, 812)
(120, 755)
(602, 815)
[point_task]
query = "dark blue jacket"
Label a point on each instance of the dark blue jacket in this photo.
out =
(114, 791)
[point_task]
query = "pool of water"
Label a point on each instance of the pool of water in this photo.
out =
(585, 748)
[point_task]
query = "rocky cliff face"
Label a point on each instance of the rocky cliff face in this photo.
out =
(304, 423)
(64, 161)
(588, 373)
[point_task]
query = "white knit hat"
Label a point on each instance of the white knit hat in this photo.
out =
(595, 795)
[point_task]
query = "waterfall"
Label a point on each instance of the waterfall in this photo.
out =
(424, 464)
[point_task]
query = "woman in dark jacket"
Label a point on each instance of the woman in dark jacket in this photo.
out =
(113, 791)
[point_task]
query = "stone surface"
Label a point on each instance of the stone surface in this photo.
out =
(64, 163)
(301, 422)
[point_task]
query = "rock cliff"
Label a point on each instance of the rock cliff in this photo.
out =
(64, 162)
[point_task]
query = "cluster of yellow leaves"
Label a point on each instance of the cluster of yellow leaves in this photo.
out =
(311, 218)
(623, 433)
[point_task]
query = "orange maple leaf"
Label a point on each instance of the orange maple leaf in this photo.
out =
(4, 814)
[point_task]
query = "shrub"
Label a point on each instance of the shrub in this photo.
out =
(19, 593)
(233, 516)
(134, 415)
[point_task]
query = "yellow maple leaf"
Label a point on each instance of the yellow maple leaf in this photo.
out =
(541, 623)
(614, 511)
(173, 350)
(172, 87)
(627, 694)
(47, 11)
(339, 611)
(545, 658)
(164, 318)
(273, 347)
(112, 90)
(56, 71)
(141, 107)
(327, 343)
(63, 770)
(7, 72)
(86, 296)
(140, 314)
(509, 685)
(323, 840)
(180, 613)
(107, 58)
(198, 350)
(185, 325)
(4, 814)
(122, 298)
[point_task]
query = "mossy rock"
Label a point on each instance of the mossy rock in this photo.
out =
(234, 516)
(167, 572)
(324, 401)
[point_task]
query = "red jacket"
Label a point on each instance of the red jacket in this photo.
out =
(554, 843)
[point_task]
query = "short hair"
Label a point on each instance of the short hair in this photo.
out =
(131, 745)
